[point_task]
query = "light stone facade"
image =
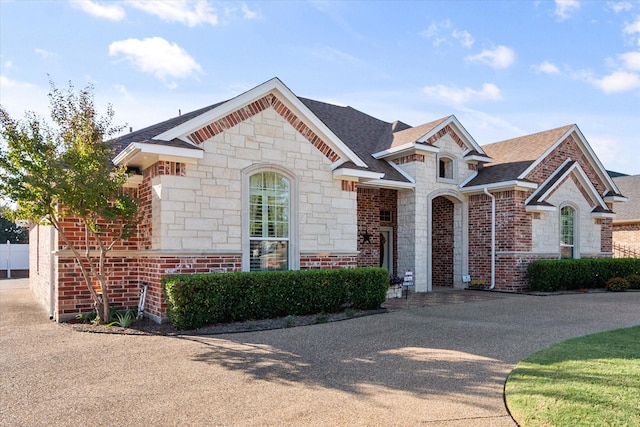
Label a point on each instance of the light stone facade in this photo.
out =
(546, 230)
(203, 209)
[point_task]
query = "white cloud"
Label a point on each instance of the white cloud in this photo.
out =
(500, 57)
(631, 60)
(633, 29)
(546, 67)
(458, 96)
(464, 37)
(248, 13)
(434, 32)
(619, 81)
(564, 8)
(157, 56)
(620, 6)
(190, 13)
(111, 11)
(44, 54)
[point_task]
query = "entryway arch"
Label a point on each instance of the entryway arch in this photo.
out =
(447, 239)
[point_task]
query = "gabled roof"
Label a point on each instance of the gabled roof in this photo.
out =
(570, 168)
(515, 158)
(353, 134)
(630, 187)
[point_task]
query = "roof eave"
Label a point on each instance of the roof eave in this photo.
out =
(142, 155)
(516, 185)
(405, 149)
(349, 174)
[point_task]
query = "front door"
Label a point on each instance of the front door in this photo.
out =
(386, 248)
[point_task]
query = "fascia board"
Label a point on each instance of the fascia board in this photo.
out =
(453, 120)
(602, 172)
(402, 172)
(385, 183)
(586, 182)
(162, 151)
(346, 173)
(603, 215)
(616, 199)
(540, 208)
(546, 181)
(405, 149)
(251, 95)
(477, 158)
(546, 153)
(501, 186)
(469, 179)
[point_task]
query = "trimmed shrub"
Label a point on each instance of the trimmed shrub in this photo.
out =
(634, 281)
(198, 300)
(617, 284)
(572, 274)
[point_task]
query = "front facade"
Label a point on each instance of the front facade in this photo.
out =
(268, 180)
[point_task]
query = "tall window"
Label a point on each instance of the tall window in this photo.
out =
(269, 202)
(567, 232)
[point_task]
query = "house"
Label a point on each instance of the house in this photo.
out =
(270, 180)
(626, 224)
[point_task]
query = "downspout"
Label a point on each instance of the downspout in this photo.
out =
(493, 238)
(52, 265)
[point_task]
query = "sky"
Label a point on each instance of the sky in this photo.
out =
(503, 68)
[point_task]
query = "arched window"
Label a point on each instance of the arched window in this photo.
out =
(269, 221)
(567, 232)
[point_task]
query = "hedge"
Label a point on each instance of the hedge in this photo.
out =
(198, 300)
(571, 274)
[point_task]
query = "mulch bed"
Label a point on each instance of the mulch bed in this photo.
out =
(149, 327)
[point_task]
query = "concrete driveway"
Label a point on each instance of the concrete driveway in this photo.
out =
(420, 364)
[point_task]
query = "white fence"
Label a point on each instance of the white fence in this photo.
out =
(13, 257)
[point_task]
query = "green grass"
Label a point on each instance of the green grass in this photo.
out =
(587, 381)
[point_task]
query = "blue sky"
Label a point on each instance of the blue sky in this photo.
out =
(505, 69)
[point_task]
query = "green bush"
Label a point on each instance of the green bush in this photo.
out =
(634, 281)
(198, 300)
(617, 284)
(571, 274)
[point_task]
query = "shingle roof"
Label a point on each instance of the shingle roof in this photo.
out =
(630, 187)
(410, 135)
(528, 147)
(147, 134)
(512, 157)
(361, 132)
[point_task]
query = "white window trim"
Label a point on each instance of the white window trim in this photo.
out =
(294, 246)
(454, 169)
(576, 229)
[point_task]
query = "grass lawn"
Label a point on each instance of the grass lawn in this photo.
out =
(587, 381)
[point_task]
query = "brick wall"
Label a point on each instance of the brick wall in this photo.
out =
(442, 242)
(627, 235)
(567, 148)
(370, 202)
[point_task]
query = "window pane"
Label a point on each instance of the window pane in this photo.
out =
(567, 218)
(269, 255)
(268, 221)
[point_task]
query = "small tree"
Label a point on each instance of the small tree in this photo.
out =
(65, 171)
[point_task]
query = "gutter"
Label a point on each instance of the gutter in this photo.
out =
(493, 238)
